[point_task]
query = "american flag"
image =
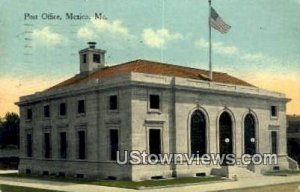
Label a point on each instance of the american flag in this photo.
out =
(217, 22)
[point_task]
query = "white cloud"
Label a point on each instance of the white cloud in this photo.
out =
(95, 28)
(218, 47)
(46, 36)
(159, 38)
(253, 56)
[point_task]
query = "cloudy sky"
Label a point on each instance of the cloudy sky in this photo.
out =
(262, 46)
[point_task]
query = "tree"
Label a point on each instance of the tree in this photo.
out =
(9, 129)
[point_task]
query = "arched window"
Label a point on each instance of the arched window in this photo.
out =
(249, 135)
(225, 133)
(198, 133)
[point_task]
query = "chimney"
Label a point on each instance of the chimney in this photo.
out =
(91, 59)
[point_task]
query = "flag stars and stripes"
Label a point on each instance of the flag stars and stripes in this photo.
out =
(217, 22)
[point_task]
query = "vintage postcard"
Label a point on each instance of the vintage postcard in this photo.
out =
(161, 95)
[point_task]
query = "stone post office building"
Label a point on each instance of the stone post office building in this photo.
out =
(75, 127)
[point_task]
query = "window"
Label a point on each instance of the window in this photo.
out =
(81, 145)
(198, 133)
(154, 141)
(154, 101)
(81, 106)
(47, 145)
(29, 145)
(96, 58)
(114, 142)
(84, 58)
(46, 111)
(63, 145)
(113, 102)
(274, 142)
(29, 114)
(63, 109)
(273, 111)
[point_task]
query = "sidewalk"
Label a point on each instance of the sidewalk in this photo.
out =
(242, 183)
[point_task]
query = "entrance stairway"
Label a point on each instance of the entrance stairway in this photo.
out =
(234, 172)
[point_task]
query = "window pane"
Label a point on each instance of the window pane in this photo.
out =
(274, 111)
(63, 145)
(198, 133)
(62, 109)
(154, 101)
(81, 144)
(274, 142)
(114, 142)
(96, 58)
(47, 145)
(47, 111)
(84, 58)
(113, 102)
(81, 106)
(29, 114)
(29, 145)
(154, 141)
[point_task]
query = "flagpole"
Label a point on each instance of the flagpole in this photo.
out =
(210, 47)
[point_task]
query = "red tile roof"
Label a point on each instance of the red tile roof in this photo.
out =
(151, 67)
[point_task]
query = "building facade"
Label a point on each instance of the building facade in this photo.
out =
(76, 127)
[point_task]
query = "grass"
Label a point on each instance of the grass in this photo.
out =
(286, 187)
(124, 184)
(8, 188)
(156, 183)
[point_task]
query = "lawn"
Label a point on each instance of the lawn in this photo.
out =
(8, 188)
(125, 184)
(156, 183)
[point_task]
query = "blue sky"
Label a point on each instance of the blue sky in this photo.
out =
(262, 46)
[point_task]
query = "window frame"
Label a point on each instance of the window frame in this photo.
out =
(276, 112)
(96, 56)
(84, 58)
(110, 144)
(60, 145)
(78, 156)
(31, 145)
(117, 103)
(84, 107)
(59, 109)
(45, 151)
(148, 138)
(27, 112)
(159, 94)
(44, 111)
